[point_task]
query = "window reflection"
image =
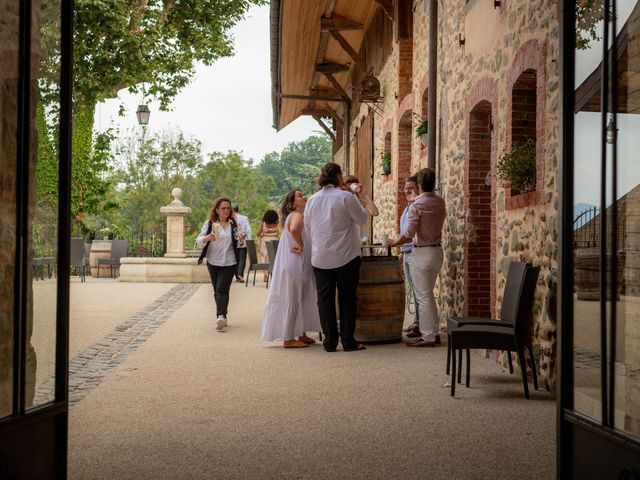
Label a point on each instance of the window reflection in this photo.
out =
(586, 222)
(623, 228)
(45, 48)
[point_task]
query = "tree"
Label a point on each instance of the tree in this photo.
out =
(124, 43)
(148, 169)
(228, 175)
(298, 165)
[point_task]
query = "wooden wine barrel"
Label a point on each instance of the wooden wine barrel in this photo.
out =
(381, 300)
(100, 249)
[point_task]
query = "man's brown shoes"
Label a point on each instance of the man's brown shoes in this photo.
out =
(421, 342)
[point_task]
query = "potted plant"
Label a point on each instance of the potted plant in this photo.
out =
(518, 167)
(386, 163)
(421, 132)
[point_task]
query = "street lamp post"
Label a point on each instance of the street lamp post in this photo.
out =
(143, 114)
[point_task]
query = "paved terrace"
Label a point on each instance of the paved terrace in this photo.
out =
(158, 393)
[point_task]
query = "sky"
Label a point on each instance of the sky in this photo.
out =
(227, 106)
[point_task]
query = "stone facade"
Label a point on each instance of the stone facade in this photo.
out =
(498, 82)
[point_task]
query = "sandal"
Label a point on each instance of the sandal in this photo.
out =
(294, 344)
(306, 339)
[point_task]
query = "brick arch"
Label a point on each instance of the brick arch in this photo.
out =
(480, 199)
(529, 61)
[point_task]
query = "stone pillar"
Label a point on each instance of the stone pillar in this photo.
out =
(175, 213)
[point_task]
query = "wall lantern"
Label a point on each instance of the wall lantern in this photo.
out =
(143, 113)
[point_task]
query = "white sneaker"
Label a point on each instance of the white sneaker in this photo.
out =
(220, 323)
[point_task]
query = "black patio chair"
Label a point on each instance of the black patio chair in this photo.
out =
(497, 337)
(515, 277)
(76, 257)
(254, 266)
(272, 250)
(119, 249)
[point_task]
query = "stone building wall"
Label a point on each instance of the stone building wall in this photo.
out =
(500, 45)
(525, 36)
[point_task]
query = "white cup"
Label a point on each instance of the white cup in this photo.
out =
(384, 239)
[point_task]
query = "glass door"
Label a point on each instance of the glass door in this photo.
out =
(35, 101)
(599, 402)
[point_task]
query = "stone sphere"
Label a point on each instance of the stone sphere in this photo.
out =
(176, 193)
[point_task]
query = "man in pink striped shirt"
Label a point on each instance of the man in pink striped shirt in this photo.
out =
(424, 227)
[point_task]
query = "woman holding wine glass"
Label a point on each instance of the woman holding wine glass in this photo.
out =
(219, 234)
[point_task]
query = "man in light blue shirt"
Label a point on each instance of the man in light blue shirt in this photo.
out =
(410, 191)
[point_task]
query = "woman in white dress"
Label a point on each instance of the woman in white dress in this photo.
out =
(292, 306)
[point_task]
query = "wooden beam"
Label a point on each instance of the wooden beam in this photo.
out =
(338, 22)
(337, 86)
(324, 127)
(320, 112)
(387, 8)
(333, 114)
(331, 67)
(333, 97)
(349, 49)
(326, 92)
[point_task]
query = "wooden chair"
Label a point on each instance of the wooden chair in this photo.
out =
(514, 338)
(254, 266)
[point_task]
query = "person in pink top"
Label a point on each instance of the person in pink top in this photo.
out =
(424, 227)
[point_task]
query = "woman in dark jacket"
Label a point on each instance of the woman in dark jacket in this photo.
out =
(221, 251)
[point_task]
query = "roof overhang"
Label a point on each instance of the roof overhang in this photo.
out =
(304, 50)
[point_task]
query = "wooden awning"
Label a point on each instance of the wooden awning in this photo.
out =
(304, 50)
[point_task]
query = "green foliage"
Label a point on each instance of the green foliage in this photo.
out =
(422, 128)
(297, 166)
(91, 186)
(228, 175)
(148, 168)
(589, 13)
(92, 156)
(386, 160)
(122, 43)
(518, 167)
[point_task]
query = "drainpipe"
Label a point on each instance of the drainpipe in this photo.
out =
(433, 83)
(346, 136)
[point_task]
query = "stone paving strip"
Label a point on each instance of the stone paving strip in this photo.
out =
(90, 366)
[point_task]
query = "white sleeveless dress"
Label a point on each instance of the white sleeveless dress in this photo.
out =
(292, 306)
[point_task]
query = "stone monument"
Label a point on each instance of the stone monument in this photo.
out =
(175, 266)
(175, 213)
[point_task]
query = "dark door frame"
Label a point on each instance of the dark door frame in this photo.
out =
(33, 442)
(582, 441)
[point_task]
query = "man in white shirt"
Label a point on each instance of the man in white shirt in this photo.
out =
(332, 216)
(244, 229)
